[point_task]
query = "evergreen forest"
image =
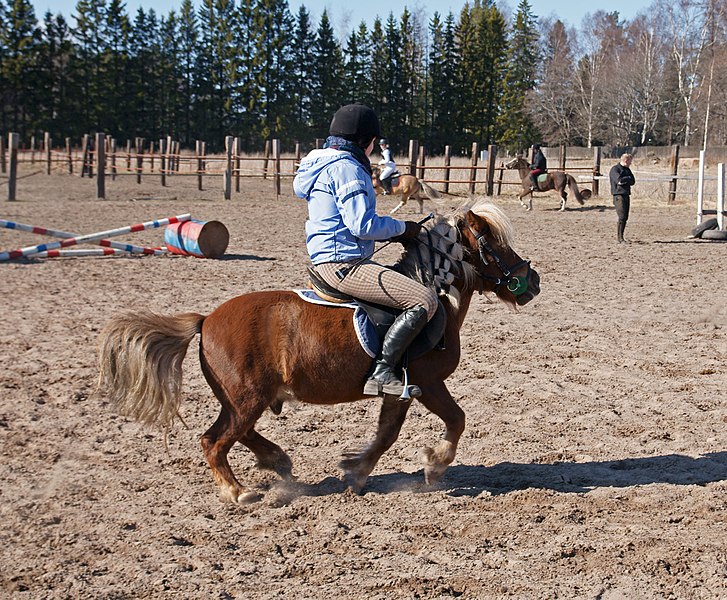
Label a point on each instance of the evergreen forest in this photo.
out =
(490, 73)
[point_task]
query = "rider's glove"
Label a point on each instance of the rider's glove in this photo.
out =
(410, 233)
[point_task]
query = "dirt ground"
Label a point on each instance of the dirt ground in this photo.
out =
(594, 463)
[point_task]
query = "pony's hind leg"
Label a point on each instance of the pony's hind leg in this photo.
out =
(563, 199)
(216, 443)
(269, 455)
(439, 401)
(358, 466)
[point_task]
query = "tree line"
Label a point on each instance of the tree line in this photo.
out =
(252, 69)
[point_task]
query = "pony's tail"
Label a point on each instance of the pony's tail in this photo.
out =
(430, 191)
(580, 195)
(140, 363)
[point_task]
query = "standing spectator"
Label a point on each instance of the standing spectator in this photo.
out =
(622, 179)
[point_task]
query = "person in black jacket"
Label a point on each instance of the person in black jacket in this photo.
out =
(538, 167)
(622, 179)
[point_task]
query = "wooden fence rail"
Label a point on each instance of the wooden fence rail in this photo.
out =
(102, 157)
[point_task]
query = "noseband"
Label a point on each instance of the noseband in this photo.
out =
(516, 285)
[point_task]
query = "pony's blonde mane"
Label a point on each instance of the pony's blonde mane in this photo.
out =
(449, 253)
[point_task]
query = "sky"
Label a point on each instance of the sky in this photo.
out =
(347, 14)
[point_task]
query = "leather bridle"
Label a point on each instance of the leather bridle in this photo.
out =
(517, 285)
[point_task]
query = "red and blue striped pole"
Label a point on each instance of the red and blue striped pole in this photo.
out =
(67, 235)
(92, 237)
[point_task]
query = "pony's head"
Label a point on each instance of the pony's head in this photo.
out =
(516, 163)
(471, 250)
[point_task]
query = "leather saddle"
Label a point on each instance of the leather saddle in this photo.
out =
(431, 337)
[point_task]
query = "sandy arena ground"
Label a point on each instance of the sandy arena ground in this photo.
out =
(594, 463)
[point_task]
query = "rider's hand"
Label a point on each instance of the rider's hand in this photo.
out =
(410, 233)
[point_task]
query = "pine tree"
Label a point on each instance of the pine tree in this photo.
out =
(274, 66)
(357, 75)
(188, 39)
(326, 88)
(303, 69)
(117, 28)
(411, 76)
(18, 39)
(516, 129)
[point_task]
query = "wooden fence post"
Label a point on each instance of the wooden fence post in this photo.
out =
(276, 162)
(3, 167)
(100, 166)
(447, 170)
(151, 156)
(198, 152)
(421, 161)
(89, 153)
(32, 149)
(413, 152)
(163, 160)
(674, 171)
(297, 157)
(499, 178)
(46, 147)
(491, 156)
(473, 169)
(84, 152)
(177, 155)
(227, 179)
(238, 150)
(139, 148)
(13, 141)
(562, 157)
(112, 150)
(170, 155)
(596, 168)
(69, 153)
(319, 143)
(266, 158)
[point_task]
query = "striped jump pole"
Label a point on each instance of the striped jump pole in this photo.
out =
(93, 237)
(67, 235)
(70, 252)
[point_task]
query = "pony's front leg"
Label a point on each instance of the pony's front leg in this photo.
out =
(439, 401)
(528, 206)
(358, 466)
(421, 206)
(398, 206)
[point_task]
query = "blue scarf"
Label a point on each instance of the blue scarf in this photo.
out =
(338, 143)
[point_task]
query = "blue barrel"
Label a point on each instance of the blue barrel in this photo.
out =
(203, 239)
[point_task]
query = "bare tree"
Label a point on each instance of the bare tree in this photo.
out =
(552, 105)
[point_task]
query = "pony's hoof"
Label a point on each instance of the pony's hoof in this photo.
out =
(239, 496)
(433, 470)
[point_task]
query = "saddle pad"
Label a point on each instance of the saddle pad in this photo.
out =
(542, 178)
(365, 330)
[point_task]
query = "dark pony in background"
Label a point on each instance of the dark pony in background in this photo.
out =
(407, 187)
(553, 180)
(260, 349)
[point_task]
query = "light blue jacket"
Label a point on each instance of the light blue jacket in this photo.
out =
(342, 223)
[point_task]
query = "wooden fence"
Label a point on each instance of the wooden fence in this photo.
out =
(100, 156)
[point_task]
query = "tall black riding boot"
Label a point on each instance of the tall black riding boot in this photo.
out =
(620, 233)
(387, 185)
(398, 338)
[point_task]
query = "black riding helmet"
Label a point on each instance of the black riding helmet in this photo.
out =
(355, 122)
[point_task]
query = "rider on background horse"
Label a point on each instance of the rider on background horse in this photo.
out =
(538, 166)
(341, 232)
(389, 166)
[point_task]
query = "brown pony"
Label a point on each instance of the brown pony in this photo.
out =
(259, 349)
(554, 180)
(406, 186)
